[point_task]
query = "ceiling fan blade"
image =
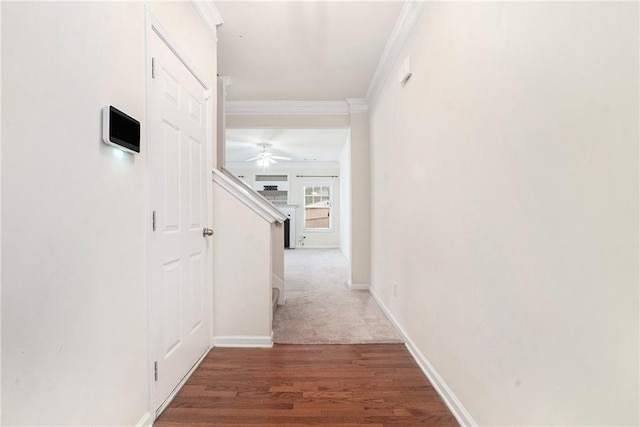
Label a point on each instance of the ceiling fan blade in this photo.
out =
(281, 158)
(270, 160)
(254, 158)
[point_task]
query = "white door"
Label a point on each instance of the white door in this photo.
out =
(178, 250)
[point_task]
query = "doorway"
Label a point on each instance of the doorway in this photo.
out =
(179, 248)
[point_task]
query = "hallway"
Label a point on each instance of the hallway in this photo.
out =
(297, 385)
(321, 309)
(374, 382)
(477, 162)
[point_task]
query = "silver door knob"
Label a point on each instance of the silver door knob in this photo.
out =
(207, 232)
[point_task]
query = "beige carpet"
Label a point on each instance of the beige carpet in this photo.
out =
(320, 309)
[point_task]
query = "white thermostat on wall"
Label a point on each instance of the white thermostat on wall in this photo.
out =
(120, 130)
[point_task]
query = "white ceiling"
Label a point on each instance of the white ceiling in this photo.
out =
(301, 145)
(302, 50)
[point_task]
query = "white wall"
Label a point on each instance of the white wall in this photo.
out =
(242, 271)
(277, 250)
(0, 223)
(345, 201)
(221, 123)
(505, 184)
(360, 200)
(277, 259)
(74, 323)
(312, 238)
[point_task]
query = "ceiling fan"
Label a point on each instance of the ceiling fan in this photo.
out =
(265, 158)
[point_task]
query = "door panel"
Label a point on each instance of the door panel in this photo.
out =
(196, 267)
(196, 157)
(178, 252)
(171, 156)
(172, 310)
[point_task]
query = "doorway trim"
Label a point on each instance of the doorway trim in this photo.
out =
(153, 25)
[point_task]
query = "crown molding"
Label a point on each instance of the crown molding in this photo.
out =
(288, 107)
(404, 25)
(209, 14)
(357, 105)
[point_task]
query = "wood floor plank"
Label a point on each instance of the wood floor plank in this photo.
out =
(304, 385)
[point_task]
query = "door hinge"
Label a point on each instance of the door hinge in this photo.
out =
(153, 68)
(153, 221)
(155, 371)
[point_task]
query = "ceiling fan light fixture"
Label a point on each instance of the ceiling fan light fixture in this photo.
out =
(265, 158)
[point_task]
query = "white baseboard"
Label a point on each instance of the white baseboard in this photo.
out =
(257, 341)
(318, 247)
(358, 286)
(145, 421)
(438, 383)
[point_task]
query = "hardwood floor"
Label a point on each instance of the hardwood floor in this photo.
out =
(301, 385)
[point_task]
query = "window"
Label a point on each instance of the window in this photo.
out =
(317, 207)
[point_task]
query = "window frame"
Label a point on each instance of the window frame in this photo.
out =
(304, 207)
